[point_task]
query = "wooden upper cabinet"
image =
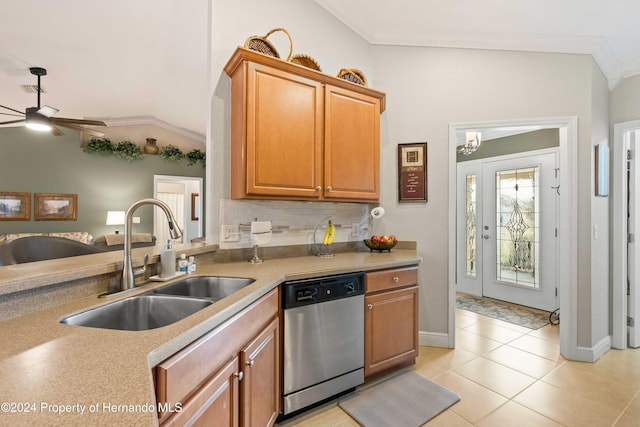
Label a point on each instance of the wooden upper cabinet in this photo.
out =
(297, 134)
(284, 133)
(352, 145)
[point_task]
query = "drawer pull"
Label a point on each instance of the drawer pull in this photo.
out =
(250, 363)
(239, 375)
(396, 279)
(329, 188)
(370, 306)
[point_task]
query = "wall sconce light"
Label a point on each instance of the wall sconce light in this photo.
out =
(115, 218)
(472, 143)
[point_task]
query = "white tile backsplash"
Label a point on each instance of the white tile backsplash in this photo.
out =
(293, 222)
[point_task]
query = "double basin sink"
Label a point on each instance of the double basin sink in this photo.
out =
(160, 307)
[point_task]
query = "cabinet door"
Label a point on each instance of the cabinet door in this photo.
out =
(352, 145)
(216, 403)
(283, 134)
(391, 329)
(260, 386)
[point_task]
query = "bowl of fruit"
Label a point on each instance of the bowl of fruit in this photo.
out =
(381, 243)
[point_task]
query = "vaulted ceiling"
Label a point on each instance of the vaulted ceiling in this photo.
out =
(148, 58)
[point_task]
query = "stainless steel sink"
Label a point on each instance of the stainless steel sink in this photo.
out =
(138, 313)
(211, 287)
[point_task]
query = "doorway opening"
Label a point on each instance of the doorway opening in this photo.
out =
(566, 223)
(183, 195)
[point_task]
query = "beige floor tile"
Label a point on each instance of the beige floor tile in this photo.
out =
(476, 401)
(512, 413)
(619, 365)
(565, 407)
(549, 333)
(626, 421)
(496, 377)
(508, 325)
(493, 331)
(461, 312)
(538, 346)
(522, 361)
(464, 321)
(603, 390)
(448, 419)
(633, 410)
(448, 358)
(474, 342)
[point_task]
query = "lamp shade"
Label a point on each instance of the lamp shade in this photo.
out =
(115, 217)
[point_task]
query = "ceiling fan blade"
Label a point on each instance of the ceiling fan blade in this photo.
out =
(11, 114)
(82, 129)
(56, 131)
(12, 121)
(13, 109)
(47, 111)
(64, 120)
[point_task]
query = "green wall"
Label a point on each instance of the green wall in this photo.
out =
(536, 140)
(42, 163)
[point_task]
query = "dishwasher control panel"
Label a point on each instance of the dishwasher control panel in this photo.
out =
(320, 289)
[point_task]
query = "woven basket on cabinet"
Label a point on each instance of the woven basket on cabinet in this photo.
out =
(262, 45)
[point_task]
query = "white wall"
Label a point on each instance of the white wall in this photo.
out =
(428, 88)
(624, 104)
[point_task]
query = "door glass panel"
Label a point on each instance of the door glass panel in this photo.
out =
(517, 223)
(471, 225)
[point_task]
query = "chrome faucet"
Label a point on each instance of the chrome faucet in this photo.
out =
(127, 280)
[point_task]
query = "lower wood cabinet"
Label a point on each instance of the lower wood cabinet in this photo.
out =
(229, 377)
(391, 319)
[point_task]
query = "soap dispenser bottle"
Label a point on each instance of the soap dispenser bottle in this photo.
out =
(167, 261)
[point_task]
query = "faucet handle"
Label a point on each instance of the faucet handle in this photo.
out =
(145, 270)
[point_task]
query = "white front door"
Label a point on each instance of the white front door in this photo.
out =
(507, 226)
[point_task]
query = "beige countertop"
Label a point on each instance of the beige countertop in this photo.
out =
(56, 374)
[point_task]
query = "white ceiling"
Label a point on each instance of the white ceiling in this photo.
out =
(606, 29)
(148, 58)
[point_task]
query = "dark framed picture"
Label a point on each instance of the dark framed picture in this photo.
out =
(55, 207)
(15, 206)
(412, 172)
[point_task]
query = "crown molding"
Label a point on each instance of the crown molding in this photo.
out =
(147, 120)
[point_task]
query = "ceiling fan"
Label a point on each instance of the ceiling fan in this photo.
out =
(41, 118)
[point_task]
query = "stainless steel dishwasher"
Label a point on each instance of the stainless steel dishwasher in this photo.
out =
(323, 338)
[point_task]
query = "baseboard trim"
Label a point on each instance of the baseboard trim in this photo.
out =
(433, 339)
(591, 354)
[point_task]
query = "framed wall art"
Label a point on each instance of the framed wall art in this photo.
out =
(412, 172)
(55, 207)
(15, 206)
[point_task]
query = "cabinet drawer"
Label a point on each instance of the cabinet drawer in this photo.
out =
(181, 374)
(391, 279)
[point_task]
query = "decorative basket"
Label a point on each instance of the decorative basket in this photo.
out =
(353, 75)
(262, 45)
(375, 246)
(305, 61)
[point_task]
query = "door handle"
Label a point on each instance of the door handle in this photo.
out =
(485, 236)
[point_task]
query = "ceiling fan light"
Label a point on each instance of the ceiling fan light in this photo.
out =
(41, 127)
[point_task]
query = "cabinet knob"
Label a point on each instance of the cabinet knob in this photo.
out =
(239, 375)
(318, 188)
(329, 188)
(370, 306)
(250, 363)
(396, 279)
